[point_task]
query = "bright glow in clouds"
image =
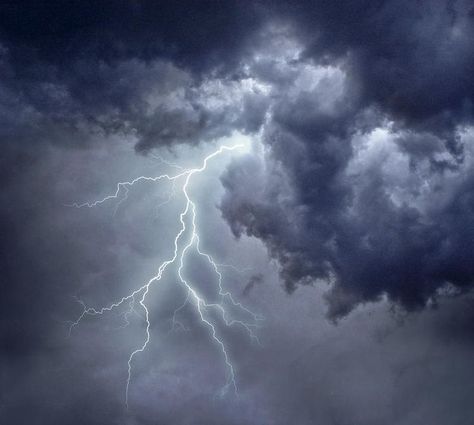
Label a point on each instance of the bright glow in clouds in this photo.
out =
(186, 239)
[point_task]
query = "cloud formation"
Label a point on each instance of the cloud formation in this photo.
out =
(372, 133)
(360, 184)
(365, 112)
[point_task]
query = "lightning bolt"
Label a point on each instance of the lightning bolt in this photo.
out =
(185, 240)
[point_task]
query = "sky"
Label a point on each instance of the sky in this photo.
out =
(338, 219)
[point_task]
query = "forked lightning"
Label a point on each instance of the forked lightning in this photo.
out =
(184, 241)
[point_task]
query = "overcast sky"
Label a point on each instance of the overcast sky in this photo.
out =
(343, 226)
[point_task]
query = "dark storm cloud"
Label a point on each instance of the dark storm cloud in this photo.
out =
(407, 68)
(149, 70)
(74, 71)
(198, 34)
(413, 58)
(155, 103)
(365, 180)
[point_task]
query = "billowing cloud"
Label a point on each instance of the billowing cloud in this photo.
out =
(373, 139)
(359, 188)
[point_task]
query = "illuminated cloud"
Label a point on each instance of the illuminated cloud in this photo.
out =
(354, 193)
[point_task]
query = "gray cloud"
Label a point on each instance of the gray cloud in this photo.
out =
(373, 221)
(254, 280)
(359, 184)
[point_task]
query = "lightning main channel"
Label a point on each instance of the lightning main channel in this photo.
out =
(186, 239)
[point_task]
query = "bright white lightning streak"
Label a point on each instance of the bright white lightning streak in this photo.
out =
(202, 306)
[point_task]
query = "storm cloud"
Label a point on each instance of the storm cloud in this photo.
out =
(356, 195)
(373, 133)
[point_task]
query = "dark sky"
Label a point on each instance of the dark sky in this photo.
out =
(349, 217)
